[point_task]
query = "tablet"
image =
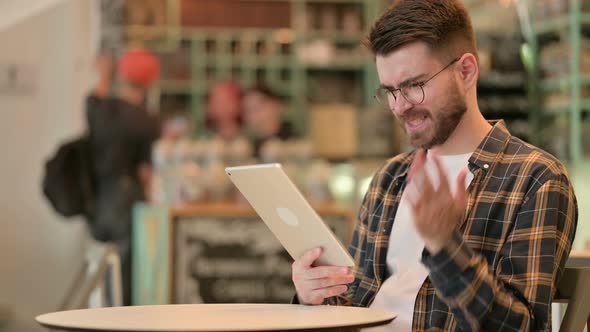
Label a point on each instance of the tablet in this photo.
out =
(287, 213)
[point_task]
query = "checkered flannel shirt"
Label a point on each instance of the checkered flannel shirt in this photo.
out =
(500, 269)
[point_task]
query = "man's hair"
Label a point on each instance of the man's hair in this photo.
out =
(444, 25)
(266, 91)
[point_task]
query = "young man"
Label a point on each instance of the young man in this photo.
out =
(121, 134)
(263, 117)
(471, 231)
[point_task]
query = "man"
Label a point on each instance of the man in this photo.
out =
(263, 116)
(121, 134)
(471, 231)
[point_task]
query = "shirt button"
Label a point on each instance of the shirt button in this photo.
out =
(486, 166)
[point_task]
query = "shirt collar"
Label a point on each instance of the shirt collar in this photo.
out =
(484, 155)
(491, 146)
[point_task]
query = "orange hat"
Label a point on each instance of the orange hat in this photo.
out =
(139, 66)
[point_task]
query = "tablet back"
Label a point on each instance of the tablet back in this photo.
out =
(286, 212)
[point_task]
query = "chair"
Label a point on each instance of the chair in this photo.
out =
(101, 262)
(574, 289)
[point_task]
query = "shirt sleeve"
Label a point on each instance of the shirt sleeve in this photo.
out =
(94, 107)
(147, 137)
(358, 245)
(517, 295)
(355, 251)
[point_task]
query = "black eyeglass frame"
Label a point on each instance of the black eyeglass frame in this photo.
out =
(413, 85)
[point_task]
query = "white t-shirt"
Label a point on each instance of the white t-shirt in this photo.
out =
(398, 292)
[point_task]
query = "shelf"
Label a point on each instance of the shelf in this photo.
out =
(502, 80)
(326, 1)
(562, 83)
(150, 30)
(261, 62)
(175, 86)
(268, 55)
(558, 24)
(555, 84)
(336, 65)
(315, 1)
(504, 104)
(199, 33)
(570, 28)
(339, 37)
(565, 108)
(485, 11)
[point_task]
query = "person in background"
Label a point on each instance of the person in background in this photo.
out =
(263, 110)
(224, 111)
(227, 144)
(121, 134)
(472, 229)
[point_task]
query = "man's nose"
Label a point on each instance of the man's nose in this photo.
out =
(401, 106)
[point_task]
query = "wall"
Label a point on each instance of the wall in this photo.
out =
(39, 250)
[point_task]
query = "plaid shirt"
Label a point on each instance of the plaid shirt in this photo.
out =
(500, 270)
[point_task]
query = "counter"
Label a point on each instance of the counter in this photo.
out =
(214, 253)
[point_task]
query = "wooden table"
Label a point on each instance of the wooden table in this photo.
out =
(217, 317)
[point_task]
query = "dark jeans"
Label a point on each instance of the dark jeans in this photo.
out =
(113, 221)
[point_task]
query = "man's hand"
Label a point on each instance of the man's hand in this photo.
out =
(104, 66)
(436, 211)
(314, 284)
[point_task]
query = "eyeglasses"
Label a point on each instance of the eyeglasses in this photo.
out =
(412, 92)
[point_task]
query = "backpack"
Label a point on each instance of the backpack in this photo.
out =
(68, 183)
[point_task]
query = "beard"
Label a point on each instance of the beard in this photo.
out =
(443, 122)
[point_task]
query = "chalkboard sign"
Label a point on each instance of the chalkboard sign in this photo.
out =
(234, 260)
(213, 254)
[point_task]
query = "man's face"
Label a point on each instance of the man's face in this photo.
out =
(252, 104)
(431, 122)
(260, 110)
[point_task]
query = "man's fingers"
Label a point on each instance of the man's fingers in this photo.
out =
(317, 295)
(314, 284)
(308, 258)
(314, 291)
(330, 282)
(326, 271)
(419, 178)
(418, 163)
(422, 184)
(321, 294)
(443, 186)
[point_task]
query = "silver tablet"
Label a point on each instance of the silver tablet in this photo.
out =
(286, 212)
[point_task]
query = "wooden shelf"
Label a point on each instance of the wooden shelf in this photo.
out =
(244, 209)
(265, 53)
(562, 83)
(558, 24)
(175, 86)
(565, 108)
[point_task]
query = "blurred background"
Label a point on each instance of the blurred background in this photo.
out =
(157, 97)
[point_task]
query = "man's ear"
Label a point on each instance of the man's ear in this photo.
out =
(469, 70)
